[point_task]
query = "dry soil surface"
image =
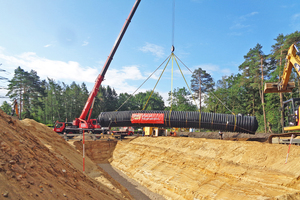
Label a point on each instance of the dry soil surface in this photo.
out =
(197, 168)
(36, 163)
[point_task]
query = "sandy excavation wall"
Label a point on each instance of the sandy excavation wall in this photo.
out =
(98, 151)
(189, 168)
(35, 163)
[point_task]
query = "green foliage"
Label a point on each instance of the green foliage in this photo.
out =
(180, 100)
(47, 100)
(6, 107)
(201, 83)
(141, 101)
(27, 88)
(242, 93)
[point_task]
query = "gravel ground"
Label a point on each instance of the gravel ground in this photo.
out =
(136, 190)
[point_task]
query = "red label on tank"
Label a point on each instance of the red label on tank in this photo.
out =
(147, 118)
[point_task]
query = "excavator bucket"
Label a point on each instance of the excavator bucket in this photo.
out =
(272, 87)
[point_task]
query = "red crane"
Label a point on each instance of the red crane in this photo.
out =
(81, 123)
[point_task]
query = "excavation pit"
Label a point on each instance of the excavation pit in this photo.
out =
(197, 168)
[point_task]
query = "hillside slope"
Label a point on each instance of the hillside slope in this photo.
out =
(35, 163)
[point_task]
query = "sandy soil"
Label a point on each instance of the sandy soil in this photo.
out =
(190, 168)
(101, 153)
(136, 189)
(35, 163)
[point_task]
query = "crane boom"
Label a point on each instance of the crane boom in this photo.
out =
(100, 77)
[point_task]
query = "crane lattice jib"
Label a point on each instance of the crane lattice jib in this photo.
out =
(100, 77)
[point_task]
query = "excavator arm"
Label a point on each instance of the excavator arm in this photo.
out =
(292, 60)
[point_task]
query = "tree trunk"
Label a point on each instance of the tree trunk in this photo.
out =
(262, 93)
(281, 99)
(200, 94)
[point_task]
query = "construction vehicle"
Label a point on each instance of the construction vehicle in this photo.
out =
(292, 60)
(91, 125)
(291, 106)
(15, 109)
(154, 131)
(124, 131)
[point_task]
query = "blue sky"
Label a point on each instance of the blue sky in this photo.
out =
(70, 40)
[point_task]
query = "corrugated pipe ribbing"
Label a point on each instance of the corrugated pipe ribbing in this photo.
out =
(180, 119)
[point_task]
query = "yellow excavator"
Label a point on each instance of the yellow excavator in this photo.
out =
(291, 107)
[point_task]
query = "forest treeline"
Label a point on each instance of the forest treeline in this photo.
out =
(47, 101)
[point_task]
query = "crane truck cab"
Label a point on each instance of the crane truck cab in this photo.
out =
(68, 127)
(60, 127)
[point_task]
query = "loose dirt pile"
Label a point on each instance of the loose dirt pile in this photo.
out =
(196, 168)
(35, 163)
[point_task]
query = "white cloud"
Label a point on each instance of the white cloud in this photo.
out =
(295, 21)
(48, 45)
(165, 96)
(240, 24)
(2, 49)
(226, 71)
(296, 16)
(156, 50)
(214, 69)
(120, 79)
(58, 70)
(208, 67)
(85, 43)
(248, 15)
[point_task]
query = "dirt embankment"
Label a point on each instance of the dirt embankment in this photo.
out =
(35, 163)
(190, 168)
(98, 151)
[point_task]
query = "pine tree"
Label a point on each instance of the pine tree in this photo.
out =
(180, 100)
(201, 82)
(251, 72)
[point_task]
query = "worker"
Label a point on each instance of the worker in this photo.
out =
(221, 135)
(270, 127)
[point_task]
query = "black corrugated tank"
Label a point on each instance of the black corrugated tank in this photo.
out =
(183, 119)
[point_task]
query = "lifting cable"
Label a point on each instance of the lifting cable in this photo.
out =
(211, 91)
(143, 83)
(190, 91)
(157, 82)
(216, 98)
(174, 57)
